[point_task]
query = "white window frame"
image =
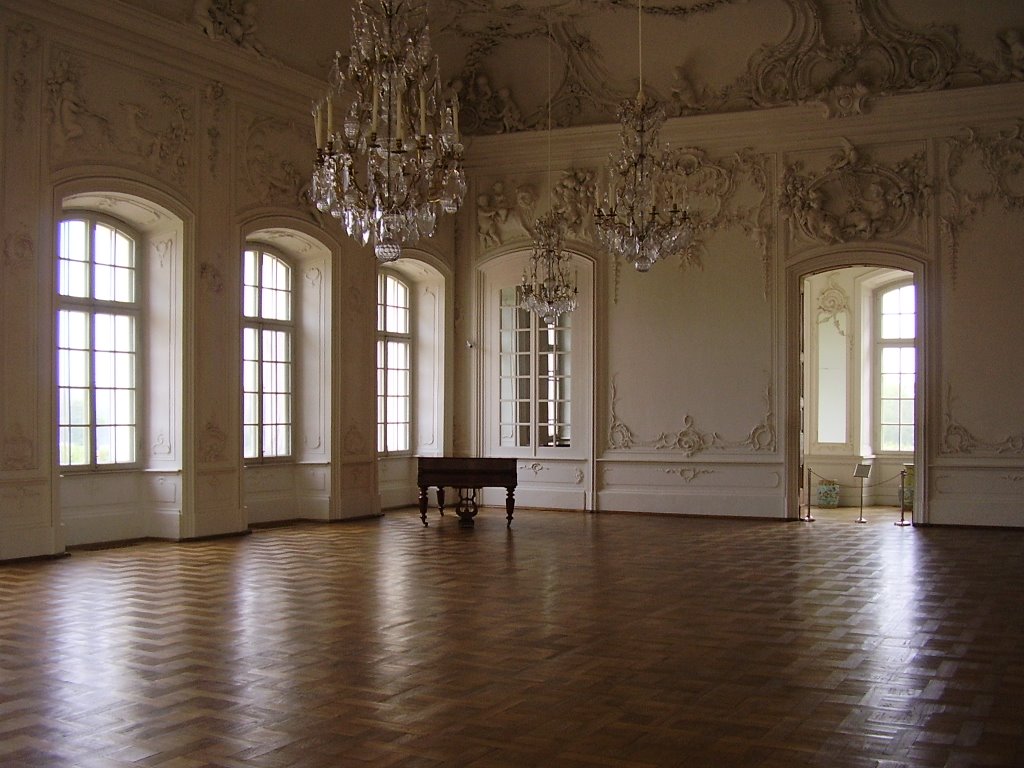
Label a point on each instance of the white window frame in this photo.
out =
(256, 319)
(881, 344)
(389, 431)
(505, 272)
(131, 357)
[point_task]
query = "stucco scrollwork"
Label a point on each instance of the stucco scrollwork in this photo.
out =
(68, 110)
(210, 278)
(19, 250)
(212, 442)
(573, 196)
(691, 440)
(231, 20)
(214, 96)
(18, 449)
(24, 40)
(733, 191)
(832, 304)
(165, 147)
(273, 179)
(979, 169)
(502, 216)
(958, 440)
(688, 474)
(853, 198)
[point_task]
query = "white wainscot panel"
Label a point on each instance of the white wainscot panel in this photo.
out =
(545, 484)
(991, 496)
(163, 494)
(396, 478)
(26, 526)
(218, 508)
(102, 507)
(313, 495)
(269, 493)
(709, 489)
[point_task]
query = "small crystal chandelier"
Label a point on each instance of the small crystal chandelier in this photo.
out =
(546, 289)
(637, 217)
(396, 162)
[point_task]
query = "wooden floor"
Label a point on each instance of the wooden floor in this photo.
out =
(569, 640)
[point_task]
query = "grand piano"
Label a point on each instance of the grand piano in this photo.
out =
(466, 476)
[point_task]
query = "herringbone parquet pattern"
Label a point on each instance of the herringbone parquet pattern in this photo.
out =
(569, 640)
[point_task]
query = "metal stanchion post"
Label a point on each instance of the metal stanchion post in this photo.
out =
(903, 500)
(808, 518)
(861, 518)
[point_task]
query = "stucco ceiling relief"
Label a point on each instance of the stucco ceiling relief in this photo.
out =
(979, 169)
(233, 21)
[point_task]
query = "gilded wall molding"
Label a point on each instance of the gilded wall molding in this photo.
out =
(979, 169)
(959, 440)
(691, 440)
(854, 199)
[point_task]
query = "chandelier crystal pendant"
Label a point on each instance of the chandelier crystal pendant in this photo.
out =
(396, 162)
(546, 289)
(637, 217)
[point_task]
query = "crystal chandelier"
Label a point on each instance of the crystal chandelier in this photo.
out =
(547, 289)
(637, 217)
(396, 162)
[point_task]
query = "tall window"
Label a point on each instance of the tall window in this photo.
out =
(267, 356)
(394, 365)
(97, 343)
(896, 359)
(534, 377)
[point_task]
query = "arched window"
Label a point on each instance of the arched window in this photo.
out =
(394, 364)
(895, 356)
(267, 355)
(97, 342)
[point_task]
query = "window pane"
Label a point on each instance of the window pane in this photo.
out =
(890, 437)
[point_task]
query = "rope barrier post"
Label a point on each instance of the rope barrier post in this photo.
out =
(862, 471)
(808, 518)
(903, 500)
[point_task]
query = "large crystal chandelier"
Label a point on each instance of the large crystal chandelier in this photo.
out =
(547, 289)
(637, 217)
(396, 162)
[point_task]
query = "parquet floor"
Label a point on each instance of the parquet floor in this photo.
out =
(571, 640)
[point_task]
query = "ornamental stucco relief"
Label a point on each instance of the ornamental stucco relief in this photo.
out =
(272, 177)
(18, 449)
(854, 199)
(840, 64)
(833, 304)
(24, 41)
(691, 440)
(979, 169)
(71, 118)
(959, 440)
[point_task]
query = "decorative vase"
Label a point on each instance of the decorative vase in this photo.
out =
(828, 494)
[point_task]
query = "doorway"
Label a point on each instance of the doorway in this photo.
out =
(856, 381)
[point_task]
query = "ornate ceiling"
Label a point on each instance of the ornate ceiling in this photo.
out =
(698, 56)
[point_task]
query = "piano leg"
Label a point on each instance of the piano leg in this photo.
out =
(423, 504)
(510, 504)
